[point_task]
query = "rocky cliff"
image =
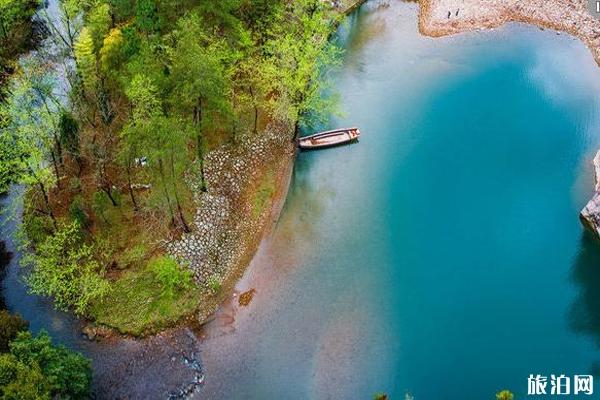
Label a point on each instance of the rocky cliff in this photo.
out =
(590, 215)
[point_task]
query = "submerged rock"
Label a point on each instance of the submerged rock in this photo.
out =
(590, 215)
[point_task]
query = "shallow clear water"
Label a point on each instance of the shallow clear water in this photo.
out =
(442, 255)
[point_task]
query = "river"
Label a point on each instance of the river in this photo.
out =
(441, 256)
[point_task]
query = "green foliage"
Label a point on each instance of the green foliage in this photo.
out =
(132, 42)
(100, 204)
(99, 21)
(137, 305)
(15, 28)
(86, 60)
(69, 133)
(111, 54)
(77, 212)
(36, 369)
(200, 74)
(10, 326)
(19, 381)
(143, 95)
(147, 18)
(301, 58)
(133, 257)
(28, 124)
(122, 9)
(65, 268)
(504, 395)
(165, 80)
(37, 227)
(9, 161)
(380, 396)
(171, 276)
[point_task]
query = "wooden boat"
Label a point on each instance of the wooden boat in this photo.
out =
(329, 138)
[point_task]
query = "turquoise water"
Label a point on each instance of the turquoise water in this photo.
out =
(441, 256)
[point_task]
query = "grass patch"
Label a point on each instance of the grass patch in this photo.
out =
(139, 303)
(264, 193)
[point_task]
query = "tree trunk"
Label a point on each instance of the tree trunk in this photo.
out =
(108, 191)
(296, 130)
(186, 228)
(46, 200)
(105, 185)
(198, 122)
(166, 192)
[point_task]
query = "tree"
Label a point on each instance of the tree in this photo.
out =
(19, 381)
(69, 137)
(98, 22)
(86, 60)
(29, 125)
(161, 139)
(65, 268)
(147, 18)
(15, 29)
(200, 78)
(37, 369)
(301, 58)
(110, 53)
(10, 326)
(13, 13)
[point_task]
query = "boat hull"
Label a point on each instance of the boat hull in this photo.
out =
(329, 139)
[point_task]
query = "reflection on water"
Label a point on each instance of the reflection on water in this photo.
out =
(305, 205)
(584, 314)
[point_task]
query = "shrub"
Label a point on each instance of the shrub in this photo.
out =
(37, 227)
(170, 275)
(64, 267)
(77, 212)
(10, 326)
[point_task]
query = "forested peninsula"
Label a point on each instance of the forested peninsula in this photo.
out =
(151, 144)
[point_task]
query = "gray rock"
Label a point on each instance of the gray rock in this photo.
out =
(590, 215)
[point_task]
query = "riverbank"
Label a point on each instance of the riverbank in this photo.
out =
(247, 184)
(446, 17)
